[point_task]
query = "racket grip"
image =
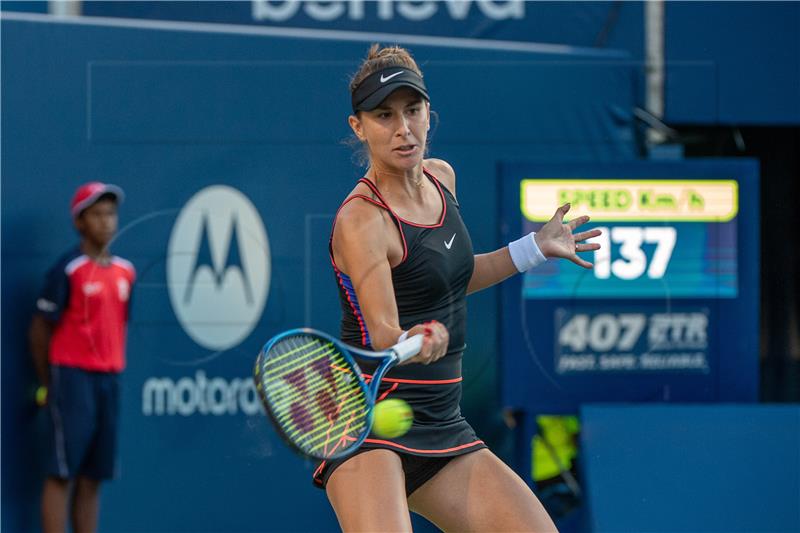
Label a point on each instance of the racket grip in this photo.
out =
(408, 348)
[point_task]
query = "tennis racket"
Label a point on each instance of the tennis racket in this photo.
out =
(314, 393)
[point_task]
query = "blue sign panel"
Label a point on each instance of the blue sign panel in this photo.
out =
(670, 310)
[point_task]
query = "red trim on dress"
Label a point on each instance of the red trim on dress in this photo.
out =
(374, 189)
(385, 394)
(418, 381)
(416, 450)
(318, 471)
(380, 204)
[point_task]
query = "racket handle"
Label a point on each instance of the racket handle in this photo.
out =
(408, 348)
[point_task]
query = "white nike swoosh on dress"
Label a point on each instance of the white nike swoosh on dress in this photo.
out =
(448, 244)
(387, 78)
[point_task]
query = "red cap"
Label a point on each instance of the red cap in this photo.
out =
(88, 193)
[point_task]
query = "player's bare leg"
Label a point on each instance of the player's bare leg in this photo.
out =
(55, 495)
(368, 493)
(478, 492)
(85, 505)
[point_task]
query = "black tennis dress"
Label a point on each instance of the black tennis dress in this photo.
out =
(430, 283)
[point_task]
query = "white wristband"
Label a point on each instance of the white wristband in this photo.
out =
(525, 253)
(403, 336)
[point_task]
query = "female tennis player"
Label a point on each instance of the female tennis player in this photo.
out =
(404, 264)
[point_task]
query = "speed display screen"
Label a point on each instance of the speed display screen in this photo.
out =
(669, 312)
(673, 238)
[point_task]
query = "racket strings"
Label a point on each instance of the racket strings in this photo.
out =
(342, 440)
(327, 405)
(325, 431)
(333, 432)
(305, 386)
(302, 354)
(314, 394)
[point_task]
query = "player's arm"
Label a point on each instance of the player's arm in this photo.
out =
(554, 240)
(39, 333)
(361, 250)
(491, 268)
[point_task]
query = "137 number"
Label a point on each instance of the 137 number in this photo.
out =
(633, 261)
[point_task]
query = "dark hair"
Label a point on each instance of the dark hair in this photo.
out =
(380, 58)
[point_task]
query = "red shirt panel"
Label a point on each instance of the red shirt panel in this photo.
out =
(91, 329)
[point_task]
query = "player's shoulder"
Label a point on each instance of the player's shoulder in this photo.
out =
(358, 212)
(361, 216)
(361, 203)
(443, 171)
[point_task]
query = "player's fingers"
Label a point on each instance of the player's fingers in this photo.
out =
(587, 247)
(444, 335)
(582, 236)
(431, 342)
(440, 336)
(426, 352)
(580, 262)
(436, 346)
(560, 212)
(574, 223)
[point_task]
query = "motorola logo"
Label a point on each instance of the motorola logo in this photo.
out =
(189, 396)
(218, 267)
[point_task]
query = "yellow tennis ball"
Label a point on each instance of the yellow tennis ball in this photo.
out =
(41, 396)
(392, 418)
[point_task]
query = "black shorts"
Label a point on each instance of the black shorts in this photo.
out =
(417, 469)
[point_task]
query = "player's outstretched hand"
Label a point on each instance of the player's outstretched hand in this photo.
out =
(556, 239)
(434, 345)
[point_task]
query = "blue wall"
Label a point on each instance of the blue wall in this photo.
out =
(166, 114)
(728, 63)
(733, 62)
(691, 468)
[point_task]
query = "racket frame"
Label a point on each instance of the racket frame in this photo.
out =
(388, 358)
